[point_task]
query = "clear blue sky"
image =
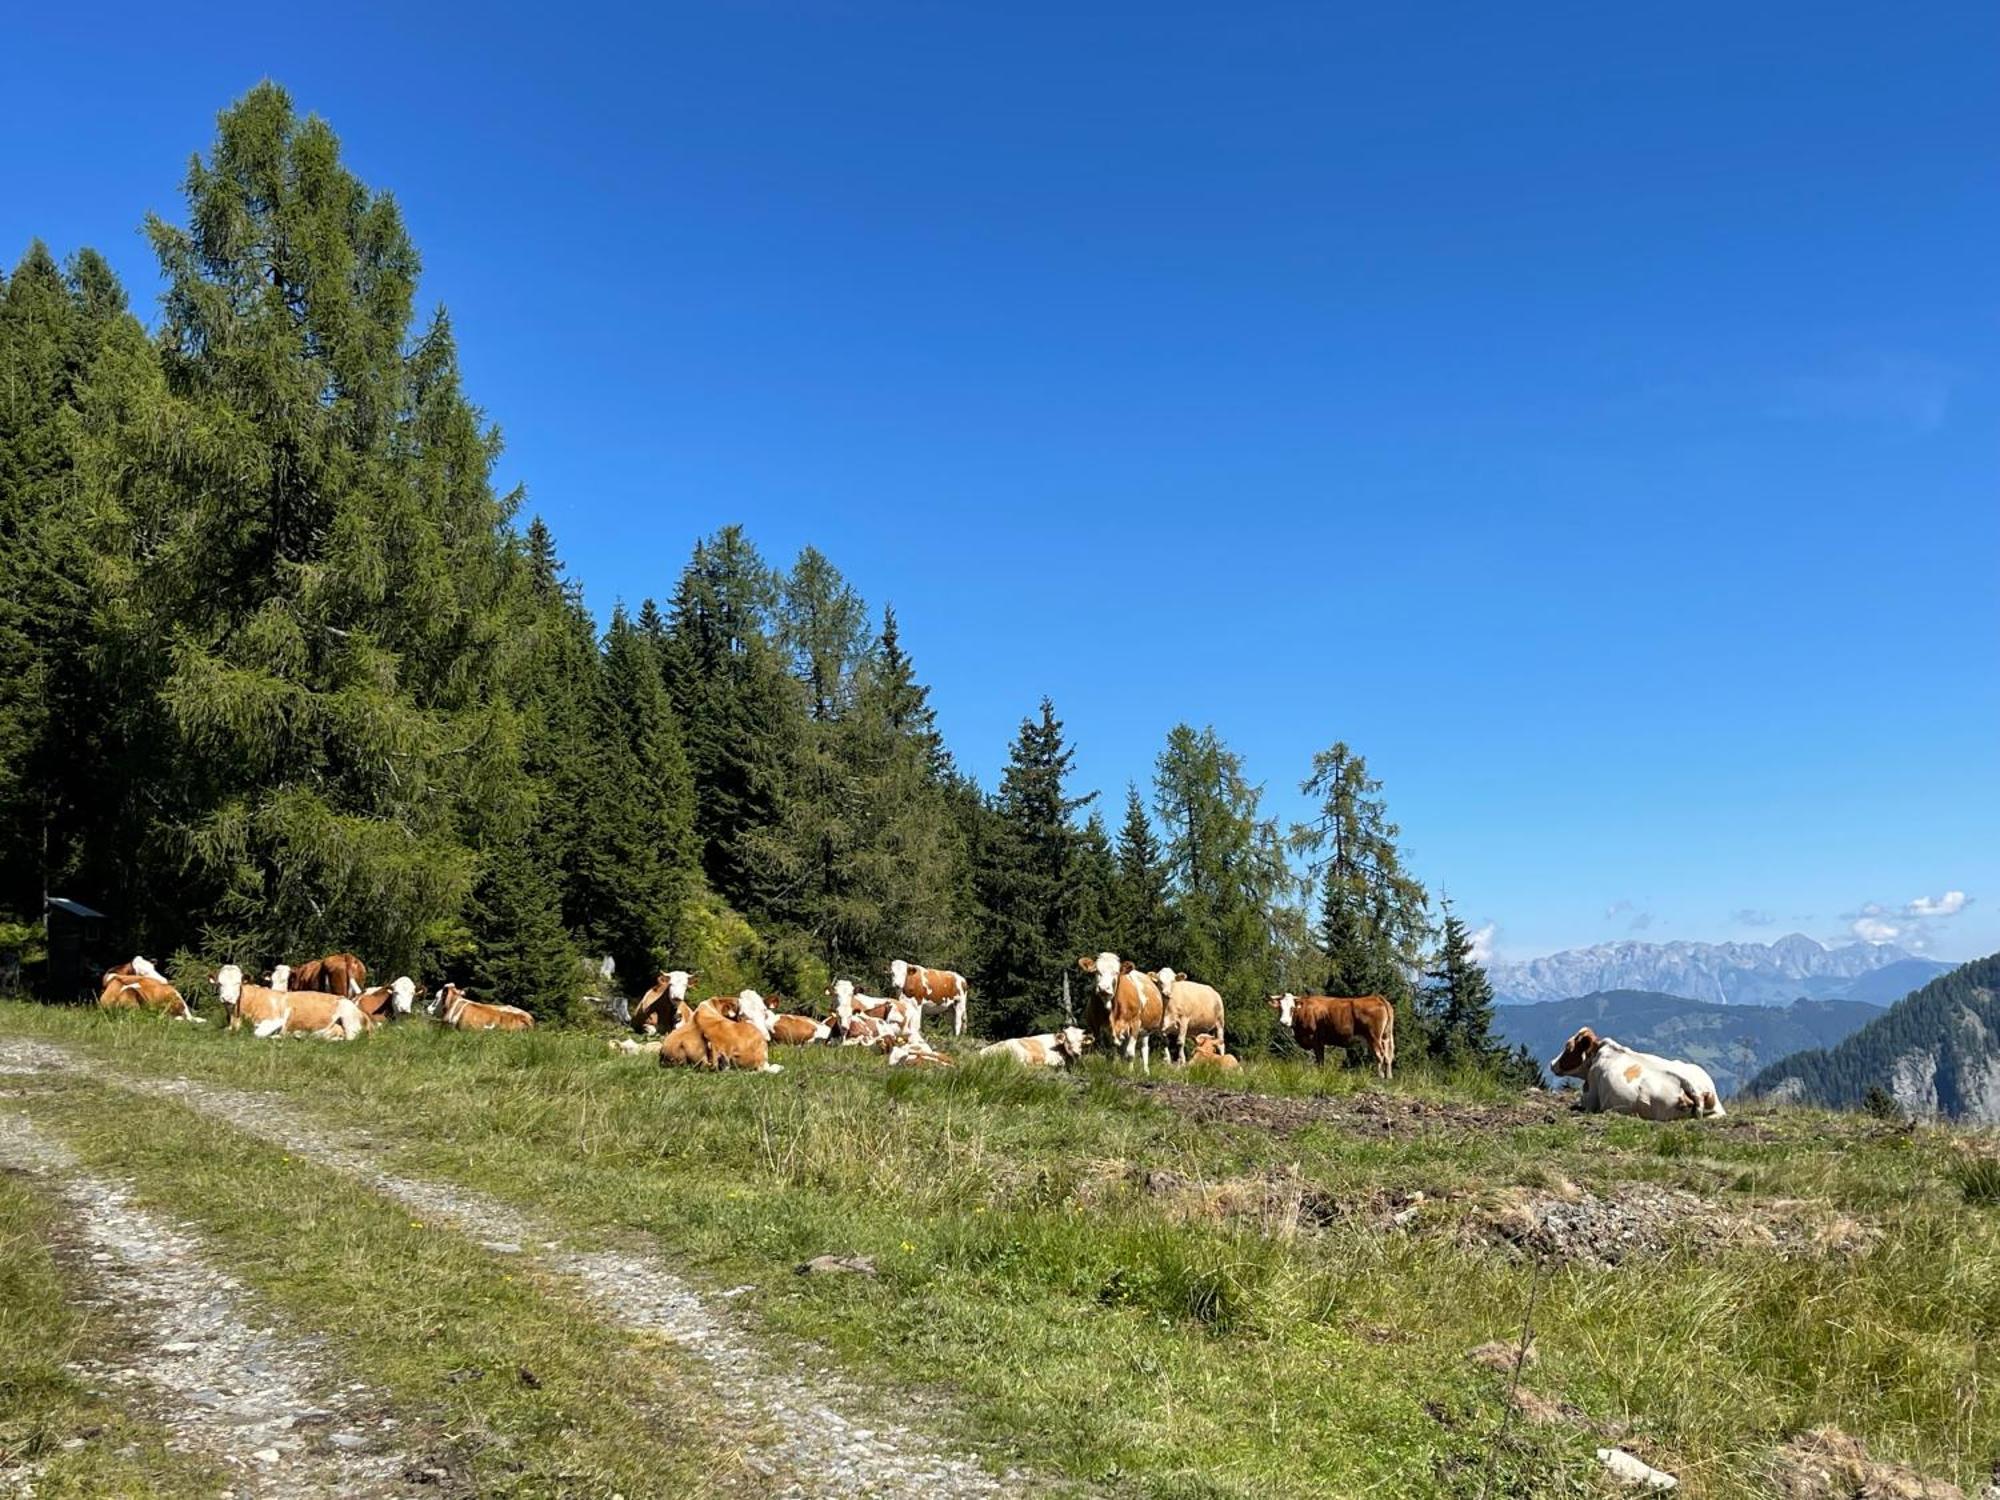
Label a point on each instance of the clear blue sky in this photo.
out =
(1586, 411)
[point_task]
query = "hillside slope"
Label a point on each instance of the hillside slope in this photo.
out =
(1722, 973)
(1731, 1041)
(1937, 1051)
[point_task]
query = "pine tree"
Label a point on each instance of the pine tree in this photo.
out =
(1458, 1000)
(823, 624)
(1142, 922)
(1026, 879)
(523, 955)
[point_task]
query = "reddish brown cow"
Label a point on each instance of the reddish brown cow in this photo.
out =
(737, 1032)
(456, 1010)
(683, 1047)
(796, 1031)
(336, 974)
(930, 989)
(1126, 1007)
(140, 993)
(1322, 1021)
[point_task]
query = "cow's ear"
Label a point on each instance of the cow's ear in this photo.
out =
(1085, 963)
(1125, 967)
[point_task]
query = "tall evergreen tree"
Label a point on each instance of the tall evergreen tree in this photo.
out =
(1142, 920)
(823, 624)
(1458, 998)
(1027, 878)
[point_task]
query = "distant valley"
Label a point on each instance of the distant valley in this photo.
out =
(1757, 974)
(1732, 1041)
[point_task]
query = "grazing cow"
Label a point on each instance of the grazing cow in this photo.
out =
(1192, 1010)
(336, 974)
(797, 1031)
(1620, 1081)
(918, 1053)
(930, 989)
(1208, 1053)
(1052, 1049)
(275, 1012)
(385, 1002)
(136, 991)
(1126, 1006)
(1322, 1021)
(456, 1009)
(669, 989)
(736, 1033)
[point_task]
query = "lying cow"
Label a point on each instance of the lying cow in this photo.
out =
(1617, 1080)
(859, 1019)
(275, 1011)
(683, 1047)
(798, 1031)
(456, 1009)
(1208, 1052)
(1322, 1021)
(669, 990)
(384, 1002)
(336, 974)
(1126, 1008)
(930, 989)
(735, 1033)
(1052, 1049)
(139, 986)
(918, 1053)
(1193, 1010)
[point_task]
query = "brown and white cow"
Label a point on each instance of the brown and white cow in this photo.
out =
(384, 1002)
(1618, 1080)
(863, 1018)
(1322, 1021)
(1193, 1010)
(1052, 1049)
(336, 974)
(930, 989)
(458, 1010)
(136, 967)
(669, 990)
(271, 1011)
(683, 1047)
(798, 1031)
(126, 989)
(1126, 1007)
(736, 1033)
(1209, 1053)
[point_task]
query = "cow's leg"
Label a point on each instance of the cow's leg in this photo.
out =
(270, 1028)
(1146, 1053)
(958, 1017)
(1319, 1055)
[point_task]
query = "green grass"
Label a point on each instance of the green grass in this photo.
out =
(441, 1328)
(1110, 1289)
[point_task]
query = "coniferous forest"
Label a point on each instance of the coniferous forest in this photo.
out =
(281, 673)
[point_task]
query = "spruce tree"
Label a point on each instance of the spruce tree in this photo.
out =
(1141, 915)
(1458, 1000)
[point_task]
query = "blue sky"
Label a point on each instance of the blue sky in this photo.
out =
(1587, 412)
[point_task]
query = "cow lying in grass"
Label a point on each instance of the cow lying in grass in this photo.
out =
(1617, 1080)
(669, 990)
(386, 1001)
(861, 1020)
(1208, 1052)
(274, 1010)
(1052, 1049)
(918, 1053)
(460, 1011)
(336, 974)
(140, 986)
(731, 1032)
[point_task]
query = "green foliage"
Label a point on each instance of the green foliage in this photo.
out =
(1457, 1009)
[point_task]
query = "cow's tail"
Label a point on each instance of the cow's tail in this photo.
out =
(1389, 1041)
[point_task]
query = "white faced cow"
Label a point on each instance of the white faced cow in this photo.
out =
(1126, 1006)
(1618, 1080)
(930, 989)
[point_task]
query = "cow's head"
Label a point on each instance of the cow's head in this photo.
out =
(229, 983)
(1165, 978)
(1071, 1041)
(677, 982)
(842, 991)
(1207, 1045)
(403, 994)
(898, 972)
(445, 999)
(1574, 1059)
(750, 1007)
(1282, 1004)
(281, 977)
(1106, 968)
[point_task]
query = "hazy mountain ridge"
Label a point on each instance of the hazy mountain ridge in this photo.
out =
(1777, 973)
(1937, 1052)
(1731, 1041)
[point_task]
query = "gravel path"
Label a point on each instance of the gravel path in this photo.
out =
(195, 1351)
(807, 1443)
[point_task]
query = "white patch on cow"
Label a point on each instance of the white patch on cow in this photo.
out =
(269, 1028)
(898, 972)
(281, 977)
(404, 994)
(750, 1005)
(1107, 973)
(144, 968)
(1285, 1003)
(677, 983)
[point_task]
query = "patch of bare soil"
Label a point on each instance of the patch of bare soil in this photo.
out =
(1370, 1112)
(1827, 1464)
(193, 1350)
(810, 1442)
(1641, 1218)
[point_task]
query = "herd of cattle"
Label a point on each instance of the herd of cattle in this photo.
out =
(1126, 1009)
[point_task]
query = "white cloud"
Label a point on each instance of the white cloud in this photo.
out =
(1950, 904)
(1484, 940)
(1750, 916)
(1875, 930)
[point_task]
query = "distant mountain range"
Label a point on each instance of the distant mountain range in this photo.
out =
(1937, 1052)
(1731, 1041)
(1792, 968)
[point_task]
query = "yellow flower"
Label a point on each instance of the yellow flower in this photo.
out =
(909, 1248)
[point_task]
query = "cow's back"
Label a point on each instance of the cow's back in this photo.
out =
(1200, 1004)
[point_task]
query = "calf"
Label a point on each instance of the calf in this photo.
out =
(930, 989)
(456, 1009)
(336, 974)
(1192, 1010)
(1052, 1049)
(1208, 1052)
(1126, 1007)
(669, 989)
(143, 992)
(918, 1053)
(1620, 1081)
(737, 1034)
(1322, 1021)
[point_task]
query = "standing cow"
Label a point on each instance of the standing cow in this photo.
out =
(930, 989)
(1126, 1006)
(1193, 1010)
(1322, 1021)
(336, 974)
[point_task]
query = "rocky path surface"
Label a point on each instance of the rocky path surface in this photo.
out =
(194, 1352)
(808, 1442)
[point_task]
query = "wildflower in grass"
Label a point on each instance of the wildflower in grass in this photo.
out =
(908, 1248)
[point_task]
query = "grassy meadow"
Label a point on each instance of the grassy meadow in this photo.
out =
(1261, 1284)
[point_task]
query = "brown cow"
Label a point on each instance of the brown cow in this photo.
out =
(454, 1008)
(669, 989)
(797, 1031)
(1322, 1021)
(1209, 1054)
(336, 974)
(384, 1002)
(930, 989)
(683, 1047)
(138, 992)
(736, 1033)
(1126, 1006)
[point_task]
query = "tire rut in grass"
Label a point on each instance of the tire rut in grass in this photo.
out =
(810, 1443)
(194, 1350)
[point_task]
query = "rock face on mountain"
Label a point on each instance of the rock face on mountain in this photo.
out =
(1721, 973)
(1731, 1041)
(1936, 1051)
